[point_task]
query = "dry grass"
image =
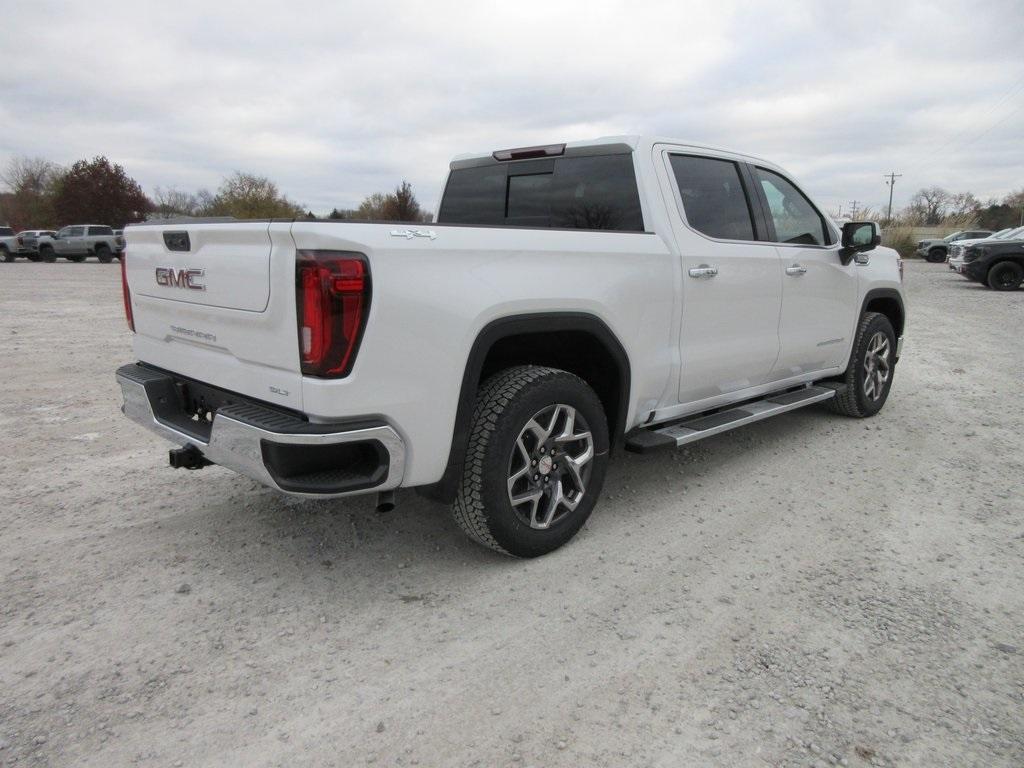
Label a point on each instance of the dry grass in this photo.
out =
(902, 239)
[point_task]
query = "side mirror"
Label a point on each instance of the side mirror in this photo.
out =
(858, 237)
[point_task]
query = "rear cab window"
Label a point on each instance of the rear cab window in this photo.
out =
(571, 192)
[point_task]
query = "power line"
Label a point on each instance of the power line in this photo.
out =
(979, 115)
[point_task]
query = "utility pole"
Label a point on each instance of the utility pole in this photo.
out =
(891, 183)
(853, 209)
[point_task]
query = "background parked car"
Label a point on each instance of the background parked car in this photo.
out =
(8, 244)
(956, 251)
(29, 241)
(79, 241)
(999, 264)
(936, 250)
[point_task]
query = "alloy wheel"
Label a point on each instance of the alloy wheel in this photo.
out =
(550, 466)
(876, 366)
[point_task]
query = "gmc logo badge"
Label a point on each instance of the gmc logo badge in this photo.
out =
(181, 278)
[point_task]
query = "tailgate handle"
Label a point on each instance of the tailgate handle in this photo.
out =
(177, 241)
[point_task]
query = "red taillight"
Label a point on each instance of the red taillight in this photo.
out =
(127, 294)
(332, 297)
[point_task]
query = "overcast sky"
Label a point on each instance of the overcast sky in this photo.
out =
(337, 100)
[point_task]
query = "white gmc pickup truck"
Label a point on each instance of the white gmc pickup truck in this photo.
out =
(571, 299)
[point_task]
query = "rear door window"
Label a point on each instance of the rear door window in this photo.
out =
(100, 231)
(589, 192)
(714, 199)
(75, 231)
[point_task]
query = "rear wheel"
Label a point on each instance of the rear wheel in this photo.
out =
(46, 253)
(936, 255)
(5, 255)
(869, 375)
(1005, 276)
(103, 254)
(535, 462)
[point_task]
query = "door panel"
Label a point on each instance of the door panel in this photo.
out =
(732, 289)
(819, 293)
(818, 307)
(729, 339)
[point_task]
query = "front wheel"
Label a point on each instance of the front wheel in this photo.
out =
(869, 375)
(1005, 276)
(47, 254)
(5, 255)
(535, 461)
(936, 255)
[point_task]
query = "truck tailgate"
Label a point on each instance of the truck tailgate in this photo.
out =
(218, 305)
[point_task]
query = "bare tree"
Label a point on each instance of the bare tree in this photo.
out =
(964, 204)
(373, 208)
(34, 175)
(248, 196)
(32, 182)
(169, 202)
(400, 205)
(929, 205)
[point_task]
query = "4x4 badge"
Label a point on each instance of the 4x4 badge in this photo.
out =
(409, 234)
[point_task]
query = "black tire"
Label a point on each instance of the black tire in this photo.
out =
(936, 255)
(5, 255)
(854, 400)
(506, 403)
(103, 254)
(1005, 276)
(47, 254)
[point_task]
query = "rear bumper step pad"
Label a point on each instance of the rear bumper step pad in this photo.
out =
(278, 449)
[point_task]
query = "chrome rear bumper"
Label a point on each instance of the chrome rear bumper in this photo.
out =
(266, 445)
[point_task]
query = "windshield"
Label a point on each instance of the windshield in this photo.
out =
(1014, 234)
(951, 238)
(5, 231)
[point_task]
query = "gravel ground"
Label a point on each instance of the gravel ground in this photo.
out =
(808, 591)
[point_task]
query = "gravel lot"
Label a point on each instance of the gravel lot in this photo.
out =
(810, 590)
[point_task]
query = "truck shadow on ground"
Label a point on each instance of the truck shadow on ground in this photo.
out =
(259, 533)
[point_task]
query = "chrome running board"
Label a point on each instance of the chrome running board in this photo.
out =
(694, 428)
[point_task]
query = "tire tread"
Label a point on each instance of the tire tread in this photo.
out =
(845, 402)
(493, 397)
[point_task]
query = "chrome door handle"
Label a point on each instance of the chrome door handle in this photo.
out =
(795, 270)
(703, 271)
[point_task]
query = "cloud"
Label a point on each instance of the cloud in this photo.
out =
(338, 100)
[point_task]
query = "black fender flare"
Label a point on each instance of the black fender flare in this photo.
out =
(885, 293)
(514, 325)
